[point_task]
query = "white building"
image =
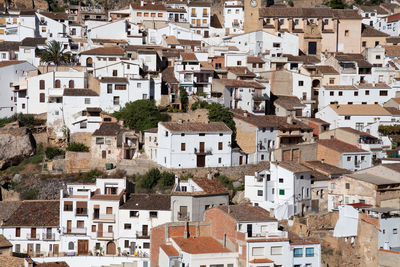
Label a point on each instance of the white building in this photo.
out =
(200, 17)
(11, 73)
(151, 143)
(18, 25)
(284, 189)
(117, 30)
(137, 217)
(193, 144)
(233, 16)
(141, 12)
(101, 57)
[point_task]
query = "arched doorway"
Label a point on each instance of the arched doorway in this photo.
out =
(315, 83)
(89, 62)
(58, 84)
(111, 249)
(71, 84)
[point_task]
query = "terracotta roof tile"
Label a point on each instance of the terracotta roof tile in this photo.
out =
(247, 213)
(254, 60)
(108, 129)
(200, 127)
(169, 250)
(148, 6)
(368, 31)
(360, 109)
(188, 56)
(292, 166)
(55, 15)
(79, 92)
(305, 59)
(394, 17)
(340, 87)
(325, 168)
(392, 50)
(241, 71)
(7, 208)
(189, 42)
(324, 69)
(375, 9)
(200, 245)
(289, 102)
(52, 264)
(210, 186)
(9, 261)
(114, 80)
(240, 83)
(33, 42)
(9, 46)
(115, 51)
(147, 202)
(10, 62)
(168, 75)
(36, 213)
(4, 243)
(263, 260)
(199, 4)
(339, 146)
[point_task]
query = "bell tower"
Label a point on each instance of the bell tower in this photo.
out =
(251, 15)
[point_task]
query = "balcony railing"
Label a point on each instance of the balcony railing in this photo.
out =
(104, 217)
(193, 15)
(49, 236)
(207, 151)
(183, 216)
(144, 235)
(267, 235)
(32, 236)
(105, 235)
(75, 231)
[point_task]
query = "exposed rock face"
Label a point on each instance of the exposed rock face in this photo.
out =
(15, 145)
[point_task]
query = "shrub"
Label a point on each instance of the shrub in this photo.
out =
(150, 179)
(167, 179)
(36, 159)
(53, 151)
(77, 147)
(30, 194)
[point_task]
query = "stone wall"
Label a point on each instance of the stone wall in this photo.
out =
(198, 115)
(84, 138)
(388, 258)
(308, 152)
(77, 161)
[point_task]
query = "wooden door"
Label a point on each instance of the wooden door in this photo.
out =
(33, 233)
(286, 155)
(69, 226)
(100, 230)
(30, 249)
(296, 155)
(240, 160)
(83, 247)
(111, 249)
(55, 249)
(145, 230)
(201, 161)
(312, 48)
(201, 147)
(103, 154)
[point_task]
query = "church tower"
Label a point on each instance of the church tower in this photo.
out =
(251, 15)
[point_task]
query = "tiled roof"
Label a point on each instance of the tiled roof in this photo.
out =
(318, 121)
(360, 109)
(171, 39)
(33, 42)
(189, 42)
(346, 14)
(393, 166)
(340, 87)
(55, 15)
(397, 99)
(204, 65)
(52, 264)
(373, 86)
(325, 168)
(254, 60)
(305, 59)
(36, 213)
(147, 202)
(292, 166)
(199, 4)
(339, 146)
(392, 50)
(7, 208)
(4, 243)
(196, 127)
(176, 10)
(10, 62)
(79, 92)
(114, 80)
(393, 40)
(354, 131)
(210, 186)
(241, 71)
(324, 69)
(289, 102)
(149, 6)
(115, 51)
(9, 46)
(240, 83)
(263, 260)
(168, 75)
(358, 58)
(200, 245)
(10, 261)
(169, 250)
(368, 31)
(394, 17)
(247, 213)
(297, 240)
(108, 129)
(296, 12)
(152, 130)
(374, 9)
(188, 56)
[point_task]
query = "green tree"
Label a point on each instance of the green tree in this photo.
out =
(150, 179)
(217, 112)
(167, 179)
(77, 147)
(54, 53)
(184, 98)
(336, 4)
(141, 115)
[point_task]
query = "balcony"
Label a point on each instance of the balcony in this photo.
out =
(75, 231)
(104, 217)
(105, 235)
(82, 213)
(193, 15)
(49, 236)
(203, 151)
(268, 235)
(32, 236)
(237, 97)
(259, 110)
(142, 235)
(183, 216)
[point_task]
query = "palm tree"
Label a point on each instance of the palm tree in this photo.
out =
(54, 53)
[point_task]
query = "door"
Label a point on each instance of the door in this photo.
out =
(69, 226)
(30, 249)
(249, 230)
(296, 155)
(176, 17)
(201, 147)
(240, 160)
(111, 249)
(83, 247)
(201, 161)
(182, 212)
(33, 233)
(96, 213)
(145, 230)
(55, 249)
(100, 230)
(103, 154)
(286, 155)
(312, 48)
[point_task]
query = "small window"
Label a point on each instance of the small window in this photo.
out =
(17, 232)
(202, 134)
(395, 231)
(383, 93)
(153, 214)
(348, 158)
(116, 100)
(331, 80)
(281, 192)
(346, 33)
(146, 245)
(87, 101)
(364, 44)
(134, 213)
(220, 145)
(333, 185)
(355, 93)
(219, 160)
(93, 228)
(115, 73)
(301, 83)
(127, 226)
(280, 180)
(259, 193)
(71, 245)
(331, 93)
(340, 93)
(99, 140)
(126, 244)
(347, 186)
(362, 157)
(110, 228)
(366, 92)
(347, 118)
(298, 252)
(42, 97)
(183, 146)
(109, 210)
(310, 252)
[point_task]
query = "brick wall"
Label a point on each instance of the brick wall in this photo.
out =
(328, 155)
(156, 240)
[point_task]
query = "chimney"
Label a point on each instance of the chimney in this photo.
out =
(180, 121)
(289, 119)
(224, 240)
(245, 114)
(209, 175)
(322, 161)
(141, 3)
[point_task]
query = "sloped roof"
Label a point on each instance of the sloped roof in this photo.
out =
(339, 146)
(360, 110)
(33, 42)
(254, 60)
(392, 50)
(240, 83)
(376, 9)
(115, 51)
(9, 46)
(325, 168)
(325, 69)
(108, 129)
(368, 31)
(149, 6)
(292, 166)
(55, 15)
(7, 208)
(168, 75)
(114, 80)
(79, 92)
(188, 56)
(289, 102)
(241, 71)
(247, 213)
(10, 62)
(36, 213)
(200, 245)
(4, 243)
(196, 127)
(147, 202)
(169, 250)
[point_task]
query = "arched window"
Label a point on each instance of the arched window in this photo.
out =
(71, 245)
(89, 62)
(57, 84)
(71, 84)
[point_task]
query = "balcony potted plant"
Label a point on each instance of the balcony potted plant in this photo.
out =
(119, 251)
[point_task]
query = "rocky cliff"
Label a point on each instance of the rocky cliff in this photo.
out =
(15, 145)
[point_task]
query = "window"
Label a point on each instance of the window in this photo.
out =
(276, 250)
(259, 193)
(276, 45)
(366, 92)
(139, 85)
(340, 93)
(377, 57)
(301, 83)
(43, 29)
(239, 63)
(153, 214)
(127, 226)
(153, 15)
(41, 84)
(93, 228)
(281, 192)
(146, 245)
(202, 134)
(364, 44)
(87, 101)
(395, 231)
(346, 33)
(57, 84)
(348, 158)
(268, 177)
(41, 97)
(220, 145)
(347, 118)
(120, 87)
(160, 15)
(17, 248)
(280, 180)
(219, 160)
(298, 252)
(296, 22)
(109, 88)
(331, 93)
(331, 80)
(17, 232)
(347, 186)
(109, 210)
(134, 213)
(309, 252)
(376, 43)
(99, 140)
(116, 100)
(80, 224)
(383, 93)
(257, 251)
(115, 73)
(362, 157)
(71, 245)
(183, 146)
(68, 206)
(110, 228)
(71, 84)
(83, 125)
(281, 21)
(139, 14)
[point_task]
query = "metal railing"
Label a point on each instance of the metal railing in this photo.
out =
(141, 234)
(74, 230)
(49, 236)
(31, 236)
